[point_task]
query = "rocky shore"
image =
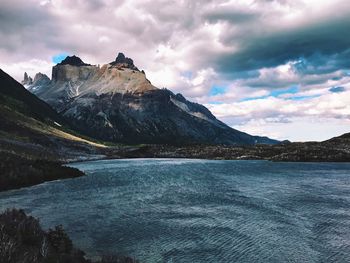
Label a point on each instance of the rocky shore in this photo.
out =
(333, 150)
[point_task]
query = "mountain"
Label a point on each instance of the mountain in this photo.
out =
(116, 102)
(27, 81)
(34, 139)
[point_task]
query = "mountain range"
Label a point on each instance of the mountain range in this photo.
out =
(35, 139)
(117, 103)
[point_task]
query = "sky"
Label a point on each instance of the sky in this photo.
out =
(277, 68)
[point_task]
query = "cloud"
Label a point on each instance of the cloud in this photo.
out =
(297, 129)
(231, 14)
(267, 113)
(32, 67)
(254, 50)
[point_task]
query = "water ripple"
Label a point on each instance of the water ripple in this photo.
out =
(178, 210)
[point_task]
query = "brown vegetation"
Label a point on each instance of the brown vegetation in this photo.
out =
(22, 240)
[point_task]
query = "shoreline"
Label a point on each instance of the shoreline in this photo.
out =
(23, 171)
(18, 172)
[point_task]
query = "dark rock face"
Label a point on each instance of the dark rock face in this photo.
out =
(153, 117)
(73, 61)
(40, 80)
(27, 80)
(71, 73)
(123, 61)
(68, 68)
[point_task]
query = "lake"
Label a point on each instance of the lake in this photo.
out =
(180, 210)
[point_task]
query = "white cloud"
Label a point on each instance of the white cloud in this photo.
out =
(104, 39)
(33, 66)
(300, 120)
(298, 128)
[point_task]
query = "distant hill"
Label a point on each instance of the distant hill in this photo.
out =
(336, 149)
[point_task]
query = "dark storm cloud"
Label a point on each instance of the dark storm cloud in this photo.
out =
(316, 43)
(235, 38)
(247, 48)
(16, 16)
(25, 30)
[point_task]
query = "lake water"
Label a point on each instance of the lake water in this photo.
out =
(178, 210)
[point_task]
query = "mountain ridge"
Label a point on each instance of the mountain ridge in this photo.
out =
(116, 102)
(35, 141)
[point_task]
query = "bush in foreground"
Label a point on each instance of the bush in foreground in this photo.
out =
(22, 240)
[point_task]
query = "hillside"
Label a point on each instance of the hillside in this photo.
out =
(34, 139)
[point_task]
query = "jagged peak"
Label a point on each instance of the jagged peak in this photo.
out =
(124, 62)
(73, 61)
(40, 77)
(27, 80)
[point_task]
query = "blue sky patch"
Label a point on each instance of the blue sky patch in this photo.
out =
(337, 89)
(216, 102)
(275, 93)
(278, 92)
(59, 57)
(254, 98)
(303, 97)
(217, 90)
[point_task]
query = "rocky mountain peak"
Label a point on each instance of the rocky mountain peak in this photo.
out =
(41, 79)
(122, 61)
(73, 61)
(27, 80)
(25, 76)
(116, 102)
(72, 68)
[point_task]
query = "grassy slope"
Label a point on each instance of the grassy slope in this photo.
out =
(34, 139)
